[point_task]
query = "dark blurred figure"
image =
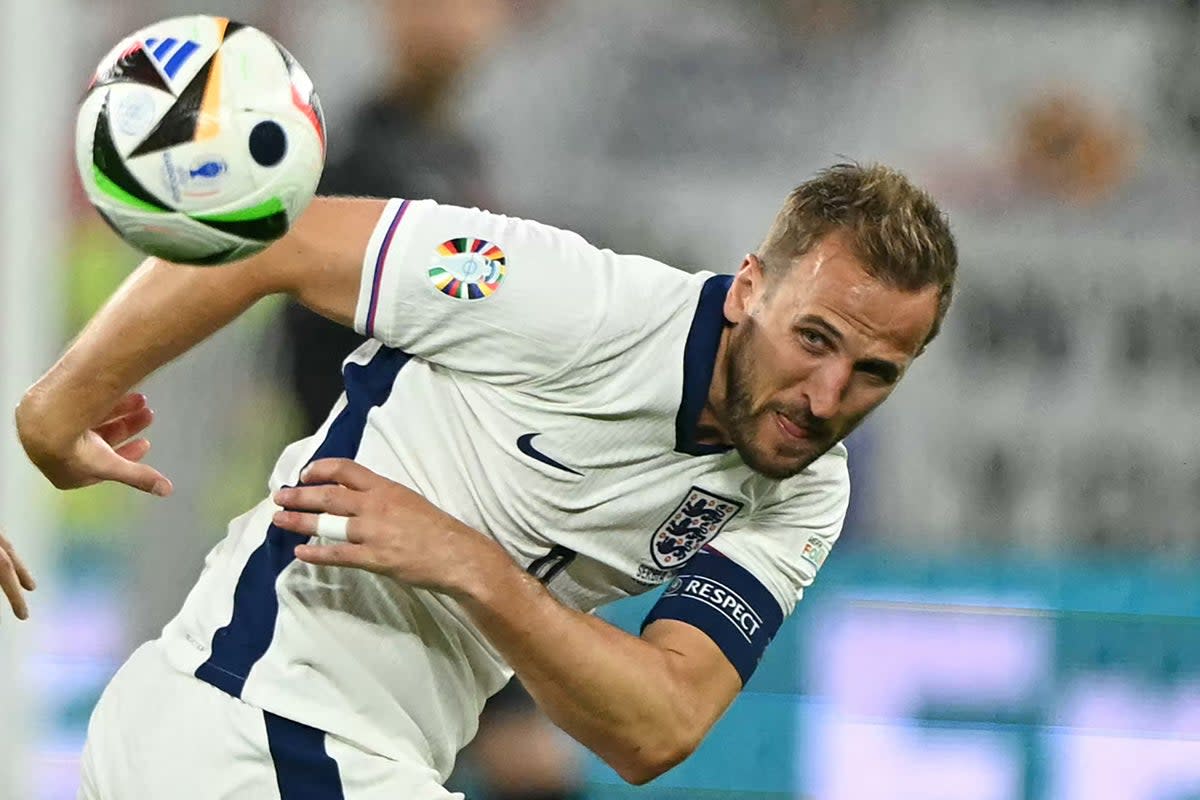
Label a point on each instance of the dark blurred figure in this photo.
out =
(1183, 79)
(404, 142)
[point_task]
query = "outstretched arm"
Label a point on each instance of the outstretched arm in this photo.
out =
(161, 311)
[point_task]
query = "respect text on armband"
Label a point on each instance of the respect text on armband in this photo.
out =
(719, 597)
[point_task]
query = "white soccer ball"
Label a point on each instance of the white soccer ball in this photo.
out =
(200, 140)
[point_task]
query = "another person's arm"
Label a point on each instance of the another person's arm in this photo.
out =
(161, 311)
(14, 576)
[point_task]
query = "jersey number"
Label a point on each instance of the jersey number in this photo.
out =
(549, 565)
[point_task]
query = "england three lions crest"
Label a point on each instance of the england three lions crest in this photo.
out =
(693, 524)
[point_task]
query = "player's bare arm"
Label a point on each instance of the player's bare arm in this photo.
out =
(641, 704)
(15, 577)
(79, 423)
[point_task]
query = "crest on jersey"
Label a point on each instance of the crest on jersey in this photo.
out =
(467, 268)
(693, 524)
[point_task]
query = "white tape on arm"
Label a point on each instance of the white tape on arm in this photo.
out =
(331, 526)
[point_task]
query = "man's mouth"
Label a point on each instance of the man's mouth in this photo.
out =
(793, 429)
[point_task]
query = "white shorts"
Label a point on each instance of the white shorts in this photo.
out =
(157, 732)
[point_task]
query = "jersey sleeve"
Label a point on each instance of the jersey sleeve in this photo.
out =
(503, 298)
(739, 589)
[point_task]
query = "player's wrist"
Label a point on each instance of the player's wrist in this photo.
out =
(488, 574)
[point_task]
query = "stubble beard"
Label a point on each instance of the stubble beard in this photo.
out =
(742, 420)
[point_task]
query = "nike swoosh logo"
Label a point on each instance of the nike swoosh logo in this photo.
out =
(525, 445)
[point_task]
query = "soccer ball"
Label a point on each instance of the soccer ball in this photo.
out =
(200, 140)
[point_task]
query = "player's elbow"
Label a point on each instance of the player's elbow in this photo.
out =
(32, 431)
(649, 761)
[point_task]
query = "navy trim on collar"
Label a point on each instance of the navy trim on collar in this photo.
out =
(699, 358)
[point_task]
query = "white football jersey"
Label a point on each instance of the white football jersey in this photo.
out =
(546, 393)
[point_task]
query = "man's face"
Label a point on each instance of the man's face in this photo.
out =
(812, 351)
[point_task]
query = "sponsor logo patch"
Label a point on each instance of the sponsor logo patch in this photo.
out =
(693, 524)
(525, 445)
(720, 597)
(468, 269)
(815, 551)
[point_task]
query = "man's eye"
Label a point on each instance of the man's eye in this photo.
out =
(814, 338)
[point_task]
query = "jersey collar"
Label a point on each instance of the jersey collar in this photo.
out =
(699, 358)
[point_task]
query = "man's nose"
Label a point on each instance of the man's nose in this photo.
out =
(827, 388)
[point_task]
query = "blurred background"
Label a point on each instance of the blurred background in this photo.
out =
(1013, 612)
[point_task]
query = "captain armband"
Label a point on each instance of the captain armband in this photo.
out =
(727, 603)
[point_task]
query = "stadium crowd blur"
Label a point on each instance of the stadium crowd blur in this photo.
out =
(1053, 416)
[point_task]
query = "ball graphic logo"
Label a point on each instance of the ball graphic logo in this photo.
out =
(199, 179)
(134, 113)
(467, 268)
(207, 168)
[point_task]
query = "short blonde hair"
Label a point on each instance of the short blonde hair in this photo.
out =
(897, 229)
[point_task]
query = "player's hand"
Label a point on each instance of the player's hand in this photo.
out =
(111, 451)
(385, 527)
(14, 576)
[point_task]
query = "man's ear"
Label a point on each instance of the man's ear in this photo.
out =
(747, 289)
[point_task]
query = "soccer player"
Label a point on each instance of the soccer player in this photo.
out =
(537, 427)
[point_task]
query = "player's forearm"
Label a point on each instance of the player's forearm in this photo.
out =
(615, 693)
(160, 311)
(163, 309)
(641, 704)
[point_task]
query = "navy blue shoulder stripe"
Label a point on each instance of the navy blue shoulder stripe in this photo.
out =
(699, 358)
(723, 599)
(238, 646)
(303, 768)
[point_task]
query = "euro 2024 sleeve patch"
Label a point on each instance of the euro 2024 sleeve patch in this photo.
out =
(815, 551)
(467, 268)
